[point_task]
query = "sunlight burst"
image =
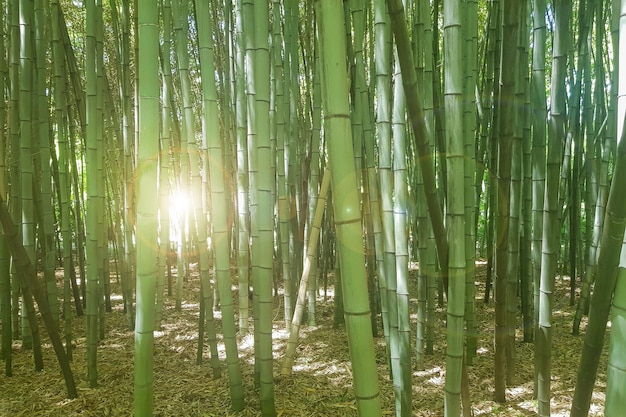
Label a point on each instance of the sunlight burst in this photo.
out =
(180, 203)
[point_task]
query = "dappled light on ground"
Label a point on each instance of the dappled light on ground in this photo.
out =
(321, 383)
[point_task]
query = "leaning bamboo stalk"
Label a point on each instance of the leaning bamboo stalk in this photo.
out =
(28, 277)
(310, 254)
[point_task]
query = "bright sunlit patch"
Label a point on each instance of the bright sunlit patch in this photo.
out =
(180, 203)
(247, 342)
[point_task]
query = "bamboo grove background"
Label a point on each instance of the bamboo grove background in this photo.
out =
(274, 142)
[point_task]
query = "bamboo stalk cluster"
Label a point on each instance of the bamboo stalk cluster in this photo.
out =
(275, 146)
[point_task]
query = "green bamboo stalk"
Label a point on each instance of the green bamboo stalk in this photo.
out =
(505, 143)
(616, 368)
(243, 249)
(219, 210)
(281, 160)
(608, 262)
(515, 203)
(385, 167)
(607, 268)
(128, 129)
(346, 205)
(64, 178)
(538, 157)
(294, 147)
(426, 252)
(314, 236)
(383, 53)
(147, 163)
(421, 135)
(5, 257)
(43, 138)
(402, 377)
(312, 160)
(526, 277)
(101, 229)
(265, 212)
(26, 152)
(371, 190)
(197, 190)
(470, 52)
(15, 202)
(28, 277)
(92, 194)
(165, 167)
(551, 220)
(188, 162)
(455, 201)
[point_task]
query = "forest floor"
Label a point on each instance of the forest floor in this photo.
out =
(321, 381)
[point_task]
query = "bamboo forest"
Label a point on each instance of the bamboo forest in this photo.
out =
(312, 208)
